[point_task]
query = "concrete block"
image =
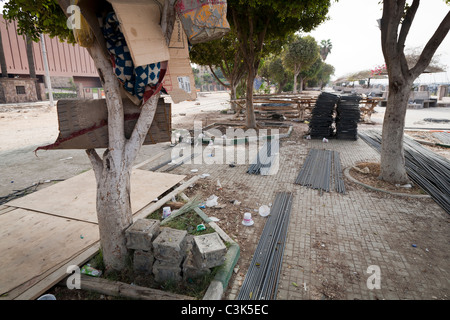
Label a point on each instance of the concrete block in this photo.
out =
(170, 245)
(143, 261)
(141, 234)
(166, 271)
(209, 250)
(190, 270)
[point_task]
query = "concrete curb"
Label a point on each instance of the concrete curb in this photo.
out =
(223, 275)
(418, 196)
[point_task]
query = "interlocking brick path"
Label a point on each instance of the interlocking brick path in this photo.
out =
(333, 238)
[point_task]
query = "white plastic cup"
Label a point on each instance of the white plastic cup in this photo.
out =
(47, 297)
(248, 221)
(264, 211)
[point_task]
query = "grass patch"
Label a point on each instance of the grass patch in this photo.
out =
(188, 221)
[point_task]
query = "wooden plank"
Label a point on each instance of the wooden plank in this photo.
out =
(6, 209)
(143, 163)
(75, 198)
(120, 289)
(32, 243)
(51, 278)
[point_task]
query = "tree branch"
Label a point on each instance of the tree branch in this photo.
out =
(217, 78)
(406, 25)
(96, 162)
(116, 130)
(431, 47)
(140, 130)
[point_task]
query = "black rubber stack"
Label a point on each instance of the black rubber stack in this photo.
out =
(347, 117)
(322, 116)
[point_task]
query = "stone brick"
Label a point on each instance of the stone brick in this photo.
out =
(190, 270)
(170, 245)
(209, 250)
(141, 234)
(166, 271)
(143, 261)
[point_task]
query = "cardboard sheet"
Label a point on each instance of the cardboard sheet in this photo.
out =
(140, 24)
(179, 80)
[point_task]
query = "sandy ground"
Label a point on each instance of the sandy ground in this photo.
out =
(24, 127)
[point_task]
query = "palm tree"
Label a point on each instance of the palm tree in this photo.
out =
(325, 48)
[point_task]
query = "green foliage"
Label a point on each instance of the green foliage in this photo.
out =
(38, 16)
(283, 16)
(214, 52)
(313, 70)
(301, 54)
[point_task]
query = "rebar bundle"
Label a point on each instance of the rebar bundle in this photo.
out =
(339, 185)
(264, 158)
(424, 167)
(316, 172)
(261, 280)
(444, 137)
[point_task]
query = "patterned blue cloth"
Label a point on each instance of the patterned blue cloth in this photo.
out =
(134, 80)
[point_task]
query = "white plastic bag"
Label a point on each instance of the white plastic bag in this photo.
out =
(211, 201)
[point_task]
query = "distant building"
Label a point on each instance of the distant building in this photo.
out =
(69, 66)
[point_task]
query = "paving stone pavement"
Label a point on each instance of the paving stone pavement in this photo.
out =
(339, 245)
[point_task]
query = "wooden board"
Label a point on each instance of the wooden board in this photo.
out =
(33, 242)
(75, 198)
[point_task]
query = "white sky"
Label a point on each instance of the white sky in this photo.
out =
(356, 38)
(354, 33)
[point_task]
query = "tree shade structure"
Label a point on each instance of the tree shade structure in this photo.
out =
(321, 124)
(347, 117)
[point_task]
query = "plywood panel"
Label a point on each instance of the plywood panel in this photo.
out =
(75, 198)
(32, 242)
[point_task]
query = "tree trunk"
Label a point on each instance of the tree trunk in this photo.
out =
(280, 88)
(31, 66)
(301, 85)
(295, 82)
(114, 211)
(233, 87)
(392, 154)
(250, 120)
